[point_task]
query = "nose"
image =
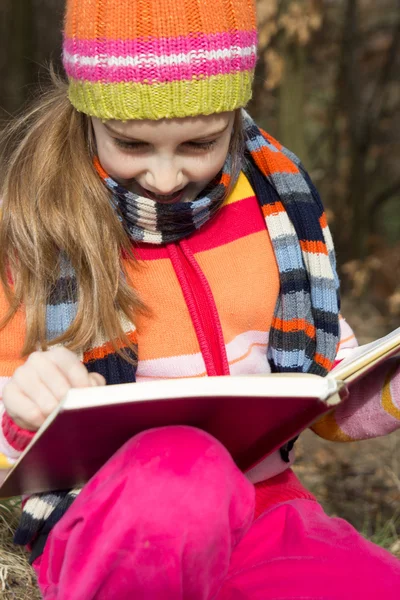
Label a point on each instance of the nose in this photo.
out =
(164, 178)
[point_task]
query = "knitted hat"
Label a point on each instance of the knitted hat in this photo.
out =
(155, 59)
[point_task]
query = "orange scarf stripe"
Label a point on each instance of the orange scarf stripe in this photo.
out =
(99, 168)
(295, 325)
(107, 349)
(272, 209)
(323, 221)
(225, 179)
(271, 162)
(314, 247)
(323, 361)
(272, 140)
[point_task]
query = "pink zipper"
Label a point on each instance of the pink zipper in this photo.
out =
(202, 308)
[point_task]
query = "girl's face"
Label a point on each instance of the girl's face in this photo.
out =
(171, 160)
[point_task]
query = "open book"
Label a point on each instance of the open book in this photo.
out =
(252, 415)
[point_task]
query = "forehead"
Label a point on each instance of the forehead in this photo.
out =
(186, 128)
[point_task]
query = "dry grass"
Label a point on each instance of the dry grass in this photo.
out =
(17, 580)
(358, 482)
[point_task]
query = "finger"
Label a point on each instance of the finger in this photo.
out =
(70, 365)
(21, 409)
(97, 379)
(43, 371)
(28, 379)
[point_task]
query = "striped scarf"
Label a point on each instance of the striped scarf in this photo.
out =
(155, 223)
(305, 328)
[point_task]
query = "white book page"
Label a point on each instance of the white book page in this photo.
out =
(363, 358)
(276, 385)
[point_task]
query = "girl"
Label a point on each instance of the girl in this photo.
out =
(149, 229)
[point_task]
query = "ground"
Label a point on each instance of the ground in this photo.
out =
(359, 482)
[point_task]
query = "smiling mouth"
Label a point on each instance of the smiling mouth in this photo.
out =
(165, 198)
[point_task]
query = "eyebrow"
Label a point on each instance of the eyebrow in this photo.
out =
(200, 137)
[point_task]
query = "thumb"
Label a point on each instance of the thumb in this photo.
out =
(96, 379)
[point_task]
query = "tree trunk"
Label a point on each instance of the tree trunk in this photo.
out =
(352, 107)
(291, 115)
(347, 179)
(30, 37)
(291, 102)
(17, 48)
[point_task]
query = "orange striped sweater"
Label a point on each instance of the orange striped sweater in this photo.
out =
(211, 300)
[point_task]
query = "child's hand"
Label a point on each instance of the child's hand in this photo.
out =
(38, 386)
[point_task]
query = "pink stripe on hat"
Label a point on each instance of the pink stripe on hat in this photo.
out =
(161, 46)
(155, 73)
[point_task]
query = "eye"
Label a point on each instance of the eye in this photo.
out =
(141, 146)
(201, 146)
(130, 145)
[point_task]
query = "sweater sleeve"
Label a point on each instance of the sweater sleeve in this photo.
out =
(13, 439)
(373, 406)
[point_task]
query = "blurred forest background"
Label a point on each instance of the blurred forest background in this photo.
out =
(328, 87)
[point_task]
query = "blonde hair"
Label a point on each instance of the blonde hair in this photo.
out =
(54, 201)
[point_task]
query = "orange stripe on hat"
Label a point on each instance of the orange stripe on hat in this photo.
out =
(133, 19)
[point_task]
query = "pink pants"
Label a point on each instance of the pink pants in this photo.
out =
(170, 517)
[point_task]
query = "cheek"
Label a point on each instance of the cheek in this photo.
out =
(115, 163)
(208, 168)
